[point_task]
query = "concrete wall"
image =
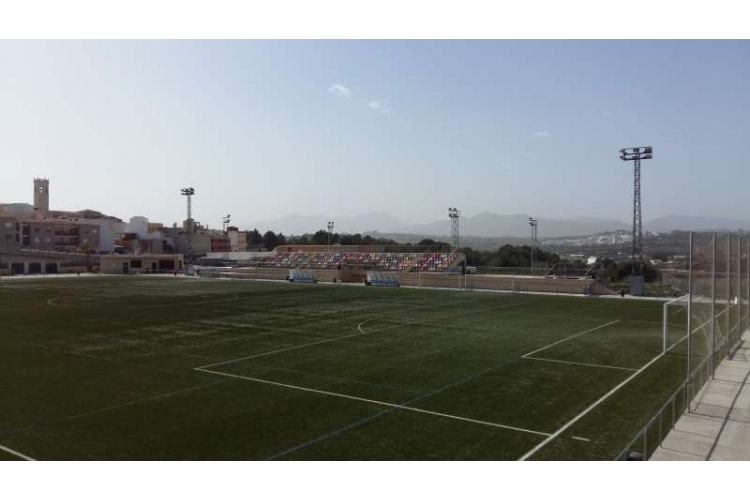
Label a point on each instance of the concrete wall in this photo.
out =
(437, 280)
(138, 264)
(240, 256)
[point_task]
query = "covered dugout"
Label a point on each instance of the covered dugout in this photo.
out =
(137, 264)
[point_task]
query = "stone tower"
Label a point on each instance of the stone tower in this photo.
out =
(41, 197)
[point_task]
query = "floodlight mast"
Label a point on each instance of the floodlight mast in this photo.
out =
(454, 214)
(189, 192)
(533, 224)
(225, 224)
(636, 154)
(330, 231)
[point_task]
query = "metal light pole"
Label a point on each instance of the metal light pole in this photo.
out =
(330, 231)
(454, 214)
(636, 155)
(189, 192)
(533, 223)
(225, 224)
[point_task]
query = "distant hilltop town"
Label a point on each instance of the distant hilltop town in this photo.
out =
(56, 237)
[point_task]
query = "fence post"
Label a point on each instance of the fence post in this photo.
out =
(729, 289)
(665, 323)
(661, 416)
(713, 303)
(747, 290)
(690, 317)
(739, 286)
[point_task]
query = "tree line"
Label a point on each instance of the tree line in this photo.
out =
(505, 256)
(270, 240)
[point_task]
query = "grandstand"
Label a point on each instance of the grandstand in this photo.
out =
(405, 266)
(361, 257)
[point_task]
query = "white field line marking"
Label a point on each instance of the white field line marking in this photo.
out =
(231, 296)
(372, 401)
(579, 438)
(111, 408)
(587, 410)
(309, 344)
(101, 358)
(138, 401)
(562, 361)
(360, 332)
(359, 326)
(339, 379)
(572, 336)
(14, 452)
(695, 330)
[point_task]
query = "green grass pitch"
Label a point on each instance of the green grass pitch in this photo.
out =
(164, 368)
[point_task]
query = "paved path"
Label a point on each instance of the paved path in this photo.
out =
(718, 428)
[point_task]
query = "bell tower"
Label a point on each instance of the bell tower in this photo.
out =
(41, 197)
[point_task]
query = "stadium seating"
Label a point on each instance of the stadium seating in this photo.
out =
(359, 257)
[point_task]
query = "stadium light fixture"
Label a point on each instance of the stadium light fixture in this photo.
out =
(225, 224)
(330, 231)
(189, 192)
(533, 223)
(636, 154)
(454, 214)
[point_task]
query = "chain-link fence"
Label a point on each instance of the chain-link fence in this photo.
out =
(705, 326)
(718, 281)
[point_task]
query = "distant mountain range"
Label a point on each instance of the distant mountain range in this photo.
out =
(695, 223)
(19, 209)
(483, 225)
(491, 225)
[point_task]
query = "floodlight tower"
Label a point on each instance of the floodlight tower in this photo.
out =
(225, 224)
(636, 155)
(533, 224)
(189, 192)
(454, 214)
(330, 231)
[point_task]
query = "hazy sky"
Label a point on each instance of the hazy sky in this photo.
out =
(263, 129)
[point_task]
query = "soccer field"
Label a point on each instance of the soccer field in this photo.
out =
(164, 368)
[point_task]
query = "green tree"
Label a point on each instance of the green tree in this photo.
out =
(320, 237)
(270, 240)
(254, 239)
(87, 250)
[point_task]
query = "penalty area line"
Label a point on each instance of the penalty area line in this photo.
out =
(585, 412)
(376, 402)
(16, 453)
(594, 365)
(570, 337)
